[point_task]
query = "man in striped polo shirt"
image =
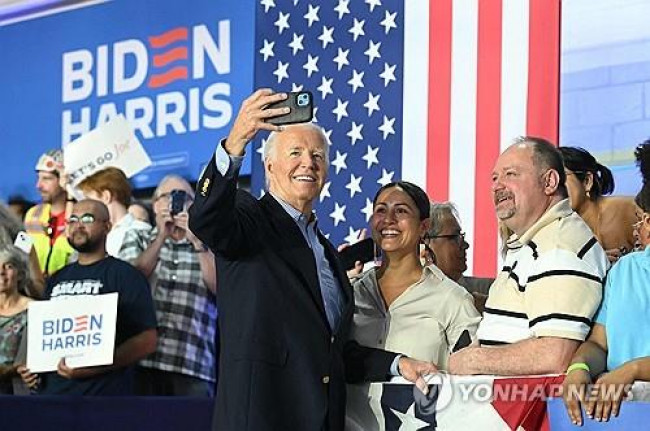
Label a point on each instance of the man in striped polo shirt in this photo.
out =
(541, 304)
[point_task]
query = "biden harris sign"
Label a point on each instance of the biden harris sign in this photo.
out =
(80, 329)
(176, 71)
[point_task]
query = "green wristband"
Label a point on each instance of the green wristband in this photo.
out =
(578, 366)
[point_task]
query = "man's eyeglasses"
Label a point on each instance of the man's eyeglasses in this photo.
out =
(459, 237)
(84, 219)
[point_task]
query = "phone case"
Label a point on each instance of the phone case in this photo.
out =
(301, 104)
(362, 251)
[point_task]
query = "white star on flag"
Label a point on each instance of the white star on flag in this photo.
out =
(386, 177)
(372, 104)
(355, 133)
(389, 21)
(353, 235)
(368, 209)
(371, 156)
(388, 74)
(373, 51)
(387, 127)
(339, 161)
(268, 4)
(357, 29)
(342, 8)
(281, 71)
(283, 22)
(341, 58)
(312, 15)
(338, 215)
(325, 87)
(354, 185)
(373, 4)
(356, 81)
(296, 43)
(326, 36)
(341, 110)
(267, 49)
(325, 192)
(311, 66)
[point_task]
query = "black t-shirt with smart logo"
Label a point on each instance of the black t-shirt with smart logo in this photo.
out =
(135, 314)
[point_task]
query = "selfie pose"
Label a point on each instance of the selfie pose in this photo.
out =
(285, 303)
(182, 275)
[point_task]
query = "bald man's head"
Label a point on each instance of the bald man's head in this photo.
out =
(88, 226)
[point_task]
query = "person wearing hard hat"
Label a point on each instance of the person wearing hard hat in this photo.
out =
(46, 222)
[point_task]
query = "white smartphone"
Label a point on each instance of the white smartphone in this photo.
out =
(24, 242)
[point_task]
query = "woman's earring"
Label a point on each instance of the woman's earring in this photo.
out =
(430, 255)
(377, 254)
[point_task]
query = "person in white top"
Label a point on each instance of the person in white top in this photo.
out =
(111, 187)
(402, 305)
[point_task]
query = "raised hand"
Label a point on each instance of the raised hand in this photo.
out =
(252, 118)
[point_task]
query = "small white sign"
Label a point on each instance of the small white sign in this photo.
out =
(80, 329)
(110, 144)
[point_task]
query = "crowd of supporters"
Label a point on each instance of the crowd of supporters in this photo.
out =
(573, 241)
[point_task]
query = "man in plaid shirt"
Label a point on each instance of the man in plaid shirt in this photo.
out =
(182, 276)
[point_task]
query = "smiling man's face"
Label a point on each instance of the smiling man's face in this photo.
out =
(296, 169)
(518, 189)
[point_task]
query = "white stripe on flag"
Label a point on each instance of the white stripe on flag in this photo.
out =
(462, 151)
(514, 67)
(416, 89)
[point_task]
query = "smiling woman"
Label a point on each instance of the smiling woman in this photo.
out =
(392, 297)
(14, 277)
(401, 305)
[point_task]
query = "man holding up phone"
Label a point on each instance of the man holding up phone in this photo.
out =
(285, 301)
(181, 272)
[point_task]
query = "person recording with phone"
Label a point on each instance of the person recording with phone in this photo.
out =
(182, 274)
(285, 301)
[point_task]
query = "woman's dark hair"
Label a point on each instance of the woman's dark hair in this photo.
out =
(580, 161)
(642, 155)
(418, 195)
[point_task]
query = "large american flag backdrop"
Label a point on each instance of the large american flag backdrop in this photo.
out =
(425, 91)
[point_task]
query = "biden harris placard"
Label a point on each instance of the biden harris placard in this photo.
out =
(80, 329)
(176, 71)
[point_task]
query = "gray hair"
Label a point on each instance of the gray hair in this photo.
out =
(269, 147)
(546, 156)
(18, 258)
(171, 177)
(9, 226)
(438, 213)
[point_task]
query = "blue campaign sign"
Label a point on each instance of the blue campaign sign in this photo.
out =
(178, 71)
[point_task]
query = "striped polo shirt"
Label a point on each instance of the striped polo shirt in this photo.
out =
(550, 284)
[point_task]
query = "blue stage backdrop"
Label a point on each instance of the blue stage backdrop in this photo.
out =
(177, 70)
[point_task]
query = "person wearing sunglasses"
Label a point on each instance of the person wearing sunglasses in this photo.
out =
(97, 273)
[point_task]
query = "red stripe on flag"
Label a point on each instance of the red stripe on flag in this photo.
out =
(544, 70)
(440, 24)
(488, 134)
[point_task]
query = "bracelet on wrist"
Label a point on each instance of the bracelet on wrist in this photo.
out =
(578, 366)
